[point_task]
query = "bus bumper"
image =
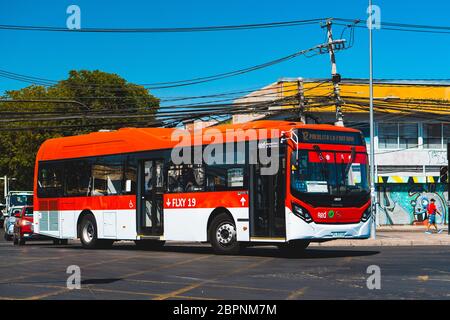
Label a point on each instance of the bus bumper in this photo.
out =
(296, 228)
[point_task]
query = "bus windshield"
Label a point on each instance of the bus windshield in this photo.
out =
(329, 172)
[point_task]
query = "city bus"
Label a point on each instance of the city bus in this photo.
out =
(264, 182)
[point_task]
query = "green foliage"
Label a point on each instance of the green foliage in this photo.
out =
(99, 94)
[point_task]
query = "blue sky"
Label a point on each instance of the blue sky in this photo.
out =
(147, 58)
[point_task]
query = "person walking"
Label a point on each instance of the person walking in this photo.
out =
(432, 211)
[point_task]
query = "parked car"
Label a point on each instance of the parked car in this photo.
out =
(10, 220)
(2, 214)
(23, 228)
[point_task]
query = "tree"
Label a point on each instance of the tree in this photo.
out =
(98, 95)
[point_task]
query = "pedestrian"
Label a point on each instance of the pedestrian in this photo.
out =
(432, 210)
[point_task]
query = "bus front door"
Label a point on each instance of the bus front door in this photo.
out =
(150, 197)
(267, 213)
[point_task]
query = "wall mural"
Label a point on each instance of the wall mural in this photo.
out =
(407, 203)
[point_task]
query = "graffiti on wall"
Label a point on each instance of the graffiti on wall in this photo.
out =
(407, 203)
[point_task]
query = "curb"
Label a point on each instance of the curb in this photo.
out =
(382, 243)
(410, 229)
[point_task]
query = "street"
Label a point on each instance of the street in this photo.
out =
(38, 271)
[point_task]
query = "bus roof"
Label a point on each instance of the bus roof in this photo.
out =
(127, 140)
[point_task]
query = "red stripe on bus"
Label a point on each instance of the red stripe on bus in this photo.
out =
(91, 203)
(227, 199)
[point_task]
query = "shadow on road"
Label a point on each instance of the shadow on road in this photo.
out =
(260, 251)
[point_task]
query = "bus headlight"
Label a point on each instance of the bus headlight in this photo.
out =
(301, 212)
(366, 214)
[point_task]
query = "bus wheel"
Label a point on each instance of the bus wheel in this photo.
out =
(149, 244)
(294, 247)
(88, 232)
(222, 235)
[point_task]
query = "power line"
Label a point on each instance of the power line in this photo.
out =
(397, 26)
(171, 84)
(279, 24)
(179, 83)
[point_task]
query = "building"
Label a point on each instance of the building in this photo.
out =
(412, 129)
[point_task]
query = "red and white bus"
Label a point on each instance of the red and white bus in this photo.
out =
(127, 185)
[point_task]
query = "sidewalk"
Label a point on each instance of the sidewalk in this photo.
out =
(396, 236)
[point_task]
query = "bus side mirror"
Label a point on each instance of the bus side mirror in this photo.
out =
(128, 186)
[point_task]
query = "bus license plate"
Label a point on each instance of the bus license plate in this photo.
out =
(338, 234)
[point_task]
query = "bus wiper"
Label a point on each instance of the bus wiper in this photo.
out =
(323, 161)
(349, 165)
(347, 168)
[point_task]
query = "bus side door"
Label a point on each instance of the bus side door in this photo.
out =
(150, 197)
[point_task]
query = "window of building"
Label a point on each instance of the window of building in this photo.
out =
(445, 134)
(408, 135)
(388, 135)
(432, 135)
(398, 135)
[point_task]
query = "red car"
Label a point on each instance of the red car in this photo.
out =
(23, 227)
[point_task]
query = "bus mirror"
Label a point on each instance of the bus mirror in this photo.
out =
(128, 186)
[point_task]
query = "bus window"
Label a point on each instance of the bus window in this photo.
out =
(185, 178)
(130, 176)
(49, 180)
(77, 176)
(220, 178)
(106, 176)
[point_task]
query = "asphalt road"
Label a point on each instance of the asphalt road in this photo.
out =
(38, 271)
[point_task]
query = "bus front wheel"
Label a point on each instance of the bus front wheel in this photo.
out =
(222, 235)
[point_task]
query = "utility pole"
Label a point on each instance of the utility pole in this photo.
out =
(6, 184)
(301, 100)
(372, 141)
(335, 77)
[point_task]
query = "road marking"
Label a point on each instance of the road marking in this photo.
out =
(88, 287)
(5, 281)
(32, 260)
(214, 285)
(423, 278)
(164, 267)
(297, 293)
(199, 284)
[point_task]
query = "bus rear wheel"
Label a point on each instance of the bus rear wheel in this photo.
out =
(294, 247)
(88, 232)
(222, 235)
